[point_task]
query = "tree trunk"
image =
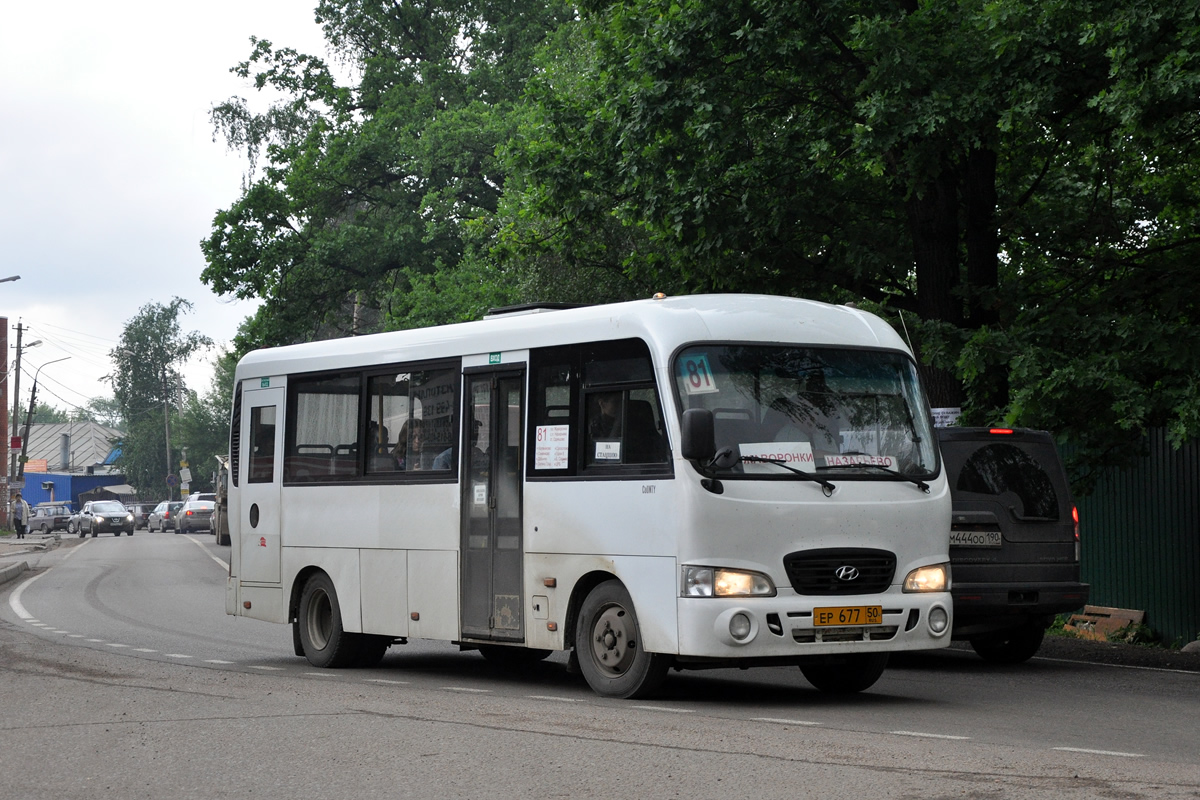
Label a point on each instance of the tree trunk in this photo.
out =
(933, 220)
(982, 238)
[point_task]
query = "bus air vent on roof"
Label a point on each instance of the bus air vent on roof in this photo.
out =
(528, 308)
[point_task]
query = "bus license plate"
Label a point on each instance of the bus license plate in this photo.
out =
(848, 615)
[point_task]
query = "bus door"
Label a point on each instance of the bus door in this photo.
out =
(258, 511)
(491, 546)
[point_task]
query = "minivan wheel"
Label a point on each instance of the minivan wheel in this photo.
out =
(1012, 646)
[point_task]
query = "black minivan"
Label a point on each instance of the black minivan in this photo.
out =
(1014, 539)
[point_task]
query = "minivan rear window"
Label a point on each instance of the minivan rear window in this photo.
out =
(997, 469)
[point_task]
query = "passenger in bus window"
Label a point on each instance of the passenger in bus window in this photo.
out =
(407, 451)
(605, 416)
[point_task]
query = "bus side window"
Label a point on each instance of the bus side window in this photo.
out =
(322, 425)
(262, 444)
(624, 417)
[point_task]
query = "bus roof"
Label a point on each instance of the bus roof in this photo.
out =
(665, 323)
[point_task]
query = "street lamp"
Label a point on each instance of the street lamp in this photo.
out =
(10, 278)
(29, 416)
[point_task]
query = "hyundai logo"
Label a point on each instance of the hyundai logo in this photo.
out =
(846, 573)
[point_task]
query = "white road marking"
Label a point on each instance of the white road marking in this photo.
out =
(143, 650)
(114, 644)
(204, 547)
(920, 735)
(217, 661)
(556, 699)
(389, 683)
(176, 655)
(271, 669)
(1099, 752)
(322, 674)
(465, 689)
(777, 721)
(668, 710)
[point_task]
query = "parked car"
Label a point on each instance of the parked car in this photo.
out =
(50, 517)
(196, 513)
(1014, 539)
(162, 518)
(141, 513)
(104, 516)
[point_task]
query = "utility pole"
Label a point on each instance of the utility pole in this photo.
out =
(167, 426)
(16, 398)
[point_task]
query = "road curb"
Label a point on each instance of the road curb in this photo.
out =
(9, 572)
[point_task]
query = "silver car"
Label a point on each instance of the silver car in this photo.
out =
(162, 518)
(196, 513)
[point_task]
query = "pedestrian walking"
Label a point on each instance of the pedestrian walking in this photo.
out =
(20, 515)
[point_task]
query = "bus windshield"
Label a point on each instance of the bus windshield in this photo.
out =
(829, 411)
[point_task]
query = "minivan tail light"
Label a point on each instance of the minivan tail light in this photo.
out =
(1001, 431)
(1075, 518)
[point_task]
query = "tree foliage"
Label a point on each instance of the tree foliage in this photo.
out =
(1014, 183)
(370, 192)
(1018, 176)
(149, 389)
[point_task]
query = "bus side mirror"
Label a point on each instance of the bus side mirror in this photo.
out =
(698, 440)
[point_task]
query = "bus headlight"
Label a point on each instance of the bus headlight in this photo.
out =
(716, 582)
(934, 578)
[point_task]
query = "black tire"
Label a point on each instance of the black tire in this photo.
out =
(1010, 647)
(846, 674)
(512, 657)
(608, 642)
(326, 644)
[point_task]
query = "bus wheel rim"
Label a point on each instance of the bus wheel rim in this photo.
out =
(320, 619)
(613, 642)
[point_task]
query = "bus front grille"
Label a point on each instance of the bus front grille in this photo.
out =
(840, 571)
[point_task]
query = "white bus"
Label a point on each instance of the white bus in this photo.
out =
(686, 482)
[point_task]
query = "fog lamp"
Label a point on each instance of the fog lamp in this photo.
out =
(939, 620)
(739, 626)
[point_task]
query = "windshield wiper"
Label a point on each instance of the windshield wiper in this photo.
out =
(920, 484)
(725, 459)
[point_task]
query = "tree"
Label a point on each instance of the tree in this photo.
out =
(149, 388)
(371, 191)
(1018, 177)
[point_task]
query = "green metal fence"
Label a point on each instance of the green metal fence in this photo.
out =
(1140, 530)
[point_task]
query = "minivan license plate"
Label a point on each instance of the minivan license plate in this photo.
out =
(975, 538)
(848, 615)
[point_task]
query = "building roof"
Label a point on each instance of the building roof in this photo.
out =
(90, 443)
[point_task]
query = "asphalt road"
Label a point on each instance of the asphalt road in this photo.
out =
(120, 676)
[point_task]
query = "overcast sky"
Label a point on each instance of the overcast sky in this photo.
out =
(109, 177)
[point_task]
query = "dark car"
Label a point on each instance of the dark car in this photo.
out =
(141, 513)
(50, 517)
(103, 516)
(1014, 539)
(196, 513)
(162, 518)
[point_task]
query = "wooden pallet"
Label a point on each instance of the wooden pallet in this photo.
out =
(1098, 622)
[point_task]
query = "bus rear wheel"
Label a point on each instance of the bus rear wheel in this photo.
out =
(608, 643)
(325, 642)
(846, 674)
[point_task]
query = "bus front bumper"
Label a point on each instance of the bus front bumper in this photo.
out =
(793, 626)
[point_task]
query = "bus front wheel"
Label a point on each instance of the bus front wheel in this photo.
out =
(846, 674)
(322, 638)
(608, 643)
